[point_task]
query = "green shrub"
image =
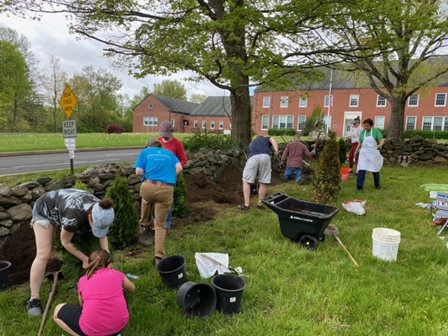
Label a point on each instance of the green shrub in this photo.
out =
(207, 139)
(342, 150)
(426, 134)
(180, 205)
(125, 225)
(309, 123)
(327, 177)
(282, 131)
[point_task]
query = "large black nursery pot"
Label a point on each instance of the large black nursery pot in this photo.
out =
(196, 299)
(173, 270)
(4, 274)
(229, 292)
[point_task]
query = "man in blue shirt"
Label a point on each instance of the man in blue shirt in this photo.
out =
(159, 168)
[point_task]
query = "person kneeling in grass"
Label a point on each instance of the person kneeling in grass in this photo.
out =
(103, 310)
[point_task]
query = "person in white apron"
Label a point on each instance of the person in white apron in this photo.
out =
(370, 158)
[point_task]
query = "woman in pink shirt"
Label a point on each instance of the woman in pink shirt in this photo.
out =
(103, 310)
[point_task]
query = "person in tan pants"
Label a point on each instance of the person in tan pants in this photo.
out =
(159, 168)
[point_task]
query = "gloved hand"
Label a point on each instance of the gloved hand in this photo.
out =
(313, 152)
(380, 146)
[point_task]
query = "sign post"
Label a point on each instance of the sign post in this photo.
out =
(68, 103)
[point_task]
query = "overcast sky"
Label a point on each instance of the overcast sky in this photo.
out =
(50, 37)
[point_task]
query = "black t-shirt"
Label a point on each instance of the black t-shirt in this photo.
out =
(67, 208)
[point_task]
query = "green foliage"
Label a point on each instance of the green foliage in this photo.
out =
(171, 88)
(72, 266)
(327, 178)
(310, 122)
(342, 150)
(81, 186)
(180, 205)
(207, 139)
(125, 225)
(427, 134)
(282, 131)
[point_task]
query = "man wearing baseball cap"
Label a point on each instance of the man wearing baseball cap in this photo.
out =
(72, 211)
(170, 142)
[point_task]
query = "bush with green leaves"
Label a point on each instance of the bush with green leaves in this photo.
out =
(327, 176)
(426, 134)
(180, 205)
(282, 131)
(309, 123)
(125, 225)
(207, 139)
(342, 150)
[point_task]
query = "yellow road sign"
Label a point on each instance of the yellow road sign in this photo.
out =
(68, 101)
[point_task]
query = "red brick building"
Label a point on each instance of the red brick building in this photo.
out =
(426, 110)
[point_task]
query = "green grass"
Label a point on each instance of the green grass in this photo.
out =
(18, 142)
(292, 291)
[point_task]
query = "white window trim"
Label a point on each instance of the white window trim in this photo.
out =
(418, 100)
(415, 124)
(380, 116)
(298, 121)
(150, 106)
(212, 124)
(267, 127)
(354, 96)
(204, 124)
(269, 100)
(444, 102)
(377, 100)
(284, 100)
(304, 101)
(196, 123)
(283, 115)
(221, 125)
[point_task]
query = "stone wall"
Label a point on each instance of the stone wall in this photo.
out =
(16, 203)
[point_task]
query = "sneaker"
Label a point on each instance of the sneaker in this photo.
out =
(34, 307)
(359, 190)
(158, 260)
(260, 206)
(378, 187)
(243, 207)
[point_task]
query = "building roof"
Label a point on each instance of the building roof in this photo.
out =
(176, 105)
(215, 106)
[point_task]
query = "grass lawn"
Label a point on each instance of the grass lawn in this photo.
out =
(290, 290)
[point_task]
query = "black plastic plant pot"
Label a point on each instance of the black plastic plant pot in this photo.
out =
(196, 299)
(173, 270)
(4, 274)
(229, 292)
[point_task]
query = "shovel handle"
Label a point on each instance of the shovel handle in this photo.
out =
(48, 306)
(349, 254)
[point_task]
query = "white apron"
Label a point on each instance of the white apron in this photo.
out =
(370, 158)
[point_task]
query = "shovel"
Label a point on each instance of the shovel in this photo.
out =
(332, 230)
(57, 275)
(146, 236)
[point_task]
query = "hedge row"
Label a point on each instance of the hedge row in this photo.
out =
(282, 131)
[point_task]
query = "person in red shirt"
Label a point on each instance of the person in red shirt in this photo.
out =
(175, 146)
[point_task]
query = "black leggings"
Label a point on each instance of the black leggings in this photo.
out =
(70, 315)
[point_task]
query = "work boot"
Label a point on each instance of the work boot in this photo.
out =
(34, 307)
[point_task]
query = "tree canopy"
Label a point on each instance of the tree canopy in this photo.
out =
(171, 88)
(397, 46)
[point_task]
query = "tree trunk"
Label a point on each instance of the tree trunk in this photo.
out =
(15, 114)
(241, 115)
(396, 127)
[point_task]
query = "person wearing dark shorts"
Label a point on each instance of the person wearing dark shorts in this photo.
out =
(103, 310)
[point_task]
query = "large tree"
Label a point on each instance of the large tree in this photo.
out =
(232, 43)
(14, 84)
(171, 88)
(395, 45)
(97, 93)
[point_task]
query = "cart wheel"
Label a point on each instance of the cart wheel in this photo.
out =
(309, 242)
(322, 237)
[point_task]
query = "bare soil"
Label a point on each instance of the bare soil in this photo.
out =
(205, 199)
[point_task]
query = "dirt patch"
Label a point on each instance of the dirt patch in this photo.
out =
(205, 199)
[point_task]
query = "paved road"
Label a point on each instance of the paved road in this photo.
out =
(27, 163)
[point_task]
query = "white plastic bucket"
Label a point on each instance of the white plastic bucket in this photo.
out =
(385, 243)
